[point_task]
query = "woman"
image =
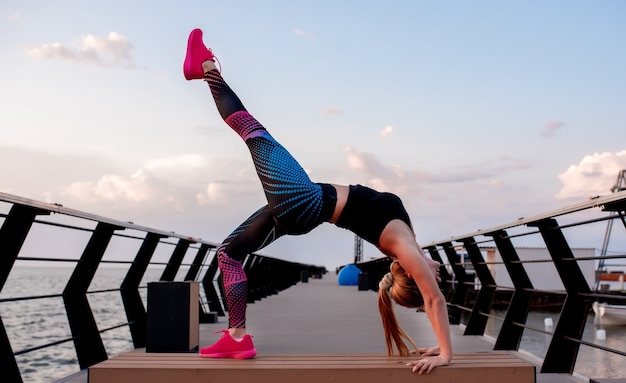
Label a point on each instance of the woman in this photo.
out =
(296, 205)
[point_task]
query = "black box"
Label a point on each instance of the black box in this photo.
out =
(172, 323)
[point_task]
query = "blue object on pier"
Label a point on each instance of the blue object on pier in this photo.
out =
(349, 275)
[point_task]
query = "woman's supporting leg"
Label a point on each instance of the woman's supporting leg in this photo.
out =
(253, 234)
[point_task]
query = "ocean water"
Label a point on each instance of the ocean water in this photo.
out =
(36, 322)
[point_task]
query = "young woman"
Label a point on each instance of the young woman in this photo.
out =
(296, 205)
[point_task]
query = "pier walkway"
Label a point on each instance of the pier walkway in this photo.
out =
(321, 317)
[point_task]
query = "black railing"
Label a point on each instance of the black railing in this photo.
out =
(471, 289)
(137, 249)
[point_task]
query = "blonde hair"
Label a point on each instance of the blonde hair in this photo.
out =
(398, 286)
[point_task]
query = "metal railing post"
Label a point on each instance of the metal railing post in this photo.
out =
(12, 236)
(510, 335)
(208, 285)
(198, 260)
(562, 352)
(478, 321)
(175, 260)
(192, 274)
(133, 305)
(87, 341)
(460, 292)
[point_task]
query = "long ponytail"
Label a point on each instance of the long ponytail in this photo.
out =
(404, 292)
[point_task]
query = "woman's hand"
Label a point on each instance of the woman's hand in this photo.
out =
(427, 364)
(426, 351)
(430, 351)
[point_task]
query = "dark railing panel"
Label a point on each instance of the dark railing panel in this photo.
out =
(562, 353)
(510, 335)
(198, 261)
(176, 260)
(208, 284)
(11, 370)
(87, 341)
(133, 304)
(459, 296)
(478, 320)
(13, 233)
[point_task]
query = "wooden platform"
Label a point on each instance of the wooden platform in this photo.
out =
(322, 318)
(485, 367)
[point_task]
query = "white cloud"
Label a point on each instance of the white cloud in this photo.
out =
(300, 32)
(183, 183)
(594, 175)
(113, 50)
(214, 192)
(53, 51)
(386, 132)
(139, 187)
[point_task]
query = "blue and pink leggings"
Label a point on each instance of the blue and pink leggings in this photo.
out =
(295, 204)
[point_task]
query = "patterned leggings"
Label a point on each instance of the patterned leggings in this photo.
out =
(295, 203)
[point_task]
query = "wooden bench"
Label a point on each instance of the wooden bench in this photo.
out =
(133, 367)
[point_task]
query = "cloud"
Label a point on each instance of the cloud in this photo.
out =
(214, 192)
(594, 175)
(139, 187)
(367, 163)
(10, 15)
(386, 132)
(113, 50)
(307, 35)
(480, 178)
(332, 111)
(186, 183)
(551, 128)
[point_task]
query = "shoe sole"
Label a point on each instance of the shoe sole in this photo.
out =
(233, 355)
(188, 61)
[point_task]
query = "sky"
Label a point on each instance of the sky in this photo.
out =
(474, 113)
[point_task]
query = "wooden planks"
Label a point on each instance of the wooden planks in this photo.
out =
(488, 367)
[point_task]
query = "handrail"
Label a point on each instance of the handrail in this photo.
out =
(594, 202)
(85, 332)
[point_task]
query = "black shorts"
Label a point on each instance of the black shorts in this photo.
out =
(367, 213)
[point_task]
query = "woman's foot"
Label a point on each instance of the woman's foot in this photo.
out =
(229, 347)
(197, 55)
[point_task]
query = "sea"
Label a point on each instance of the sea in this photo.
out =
(24, 321)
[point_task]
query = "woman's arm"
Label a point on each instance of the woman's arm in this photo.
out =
(399, 240)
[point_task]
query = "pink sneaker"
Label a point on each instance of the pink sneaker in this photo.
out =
(197, 53)
(227, 347)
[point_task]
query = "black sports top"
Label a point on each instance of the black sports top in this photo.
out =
(367, 212)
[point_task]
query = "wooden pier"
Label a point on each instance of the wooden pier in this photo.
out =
(322, 329)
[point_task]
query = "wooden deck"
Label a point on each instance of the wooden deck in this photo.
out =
(488, 367)
(321, 317)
